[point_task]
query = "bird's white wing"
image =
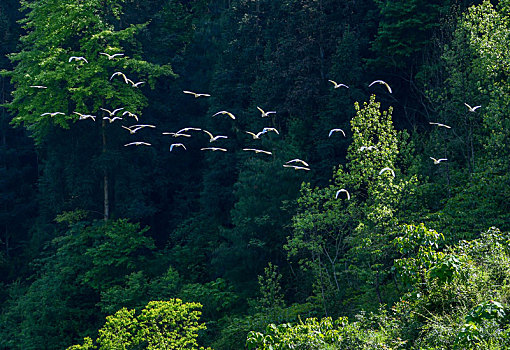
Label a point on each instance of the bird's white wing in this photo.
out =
(387, 169)
(297, 160)
(342, 190)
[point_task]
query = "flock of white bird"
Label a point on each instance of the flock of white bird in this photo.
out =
(296, 164)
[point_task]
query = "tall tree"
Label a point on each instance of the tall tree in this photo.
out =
(343, 238)
(63, 53)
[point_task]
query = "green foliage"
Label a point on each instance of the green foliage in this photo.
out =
(270, 289)
(55, 32)
(405, 30)
(80, 267)
(324, 334)
(168, 324)
(346, 243)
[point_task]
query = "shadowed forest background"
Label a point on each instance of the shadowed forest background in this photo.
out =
(132, 247)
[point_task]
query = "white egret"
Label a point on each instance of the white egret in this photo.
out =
(265, 114)
(176, 145)
(196, 94)
(271, 129)
(78, 58)
(297, 160)
(343, 190)
(366, 148)
(134, 128)
(38, 86)
(257, 135)
(110, 57)
(214, 138)
(437, 161)
(472, 109)
(52, 114)
(121, 74)
(257, 150)
(137, 143)
(387, 169)
(336, 85)
(225, 112)
(85, 116)
(111, 113)
(335, 130)
(381, 82)
(111, 120)
(133, 84)
(129, 114)
(213, 149)
(296, 167)
(176, 134)
(441, 125)
(188, 129)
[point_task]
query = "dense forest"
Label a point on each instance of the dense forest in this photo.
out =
(231, 174)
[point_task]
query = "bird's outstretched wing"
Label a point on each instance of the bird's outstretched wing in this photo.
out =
(335, 130)
(343, 190)
(387, 169)
(441, 125)
(381, 82)
(297, 160)
(225, 112)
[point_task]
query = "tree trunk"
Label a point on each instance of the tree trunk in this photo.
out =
(106, 201)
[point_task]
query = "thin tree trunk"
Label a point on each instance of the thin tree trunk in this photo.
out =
(106, 201)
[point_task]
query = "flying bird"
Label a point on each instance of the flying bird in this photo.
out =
(134, 128)
(133, 84)
(214, 138)
(257, 135)
(85, 116)
(137, 143)
(129, 114)
(387, 169)
(78, 58)
(110, 57)
(52, 114)
(213, 149)
(297, 161)
(121, 74)
(38, 86)
(295, 167)
(111, 120)
(381, 82)
(265, 114)
(196, 94)
(188, 129)
(270, 129)
(257, 150)
(437, 161)
(225, 112)
(176, 134)
(176, 145)
(111, 113)
(343, 190)
(472, 109)
(442, 125)
(366, 148)
(337, 85)
(335, 130)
